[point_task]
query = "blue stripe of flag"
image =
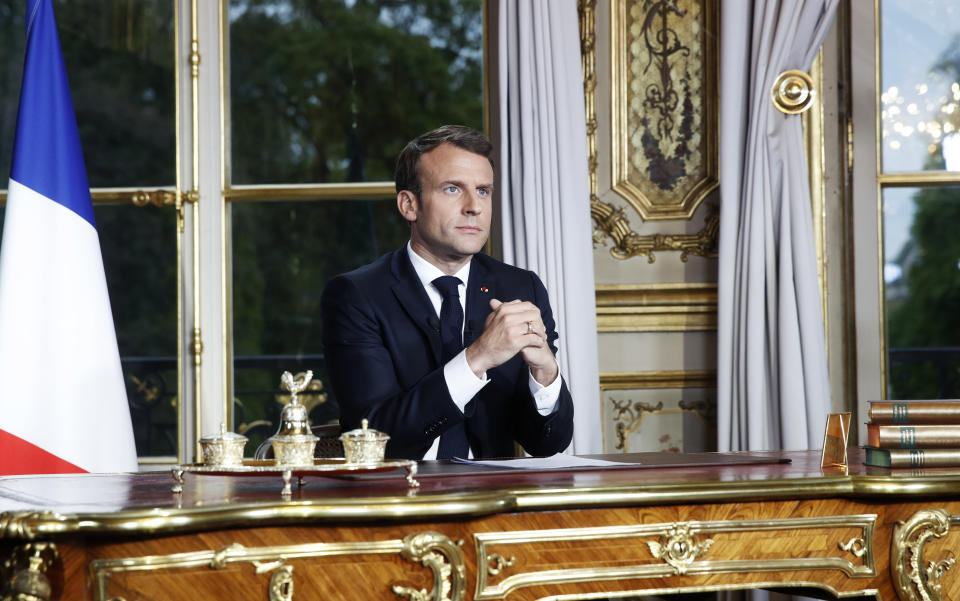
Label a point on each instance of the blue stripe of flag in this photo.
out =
(47, 157)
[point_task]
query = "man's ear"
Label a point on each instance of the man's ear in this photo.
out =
(407, 205)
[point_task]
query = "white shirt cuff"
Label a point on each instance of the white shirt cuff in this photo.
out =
(462, 383)
(545, 397)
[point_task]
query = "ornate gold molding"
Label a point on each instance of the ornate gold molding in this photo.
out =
(588, 60)
(644, 380)
(679, 544)
(19, 525)
(612, 222)
(684, 307)
(911, 580)
(431, 549)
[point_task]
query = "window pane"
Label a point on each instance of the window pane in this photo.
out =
(922, 291)
(119, 58)
(139, 248)
(330, 90)
(283, 255)
(920, 93)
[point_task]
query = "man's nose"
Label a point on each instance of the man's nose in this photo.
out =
(473, 204)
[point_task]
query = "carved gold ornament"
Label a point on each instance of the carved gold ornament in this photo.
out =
(612, 222)
(27, 567)
(496, 563)
(444, 558)
(679, 547)
(855, 545)
(911, 579)
(281, 584)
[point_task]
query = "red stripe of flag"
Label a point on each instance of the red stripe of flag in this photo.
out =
(22, 457)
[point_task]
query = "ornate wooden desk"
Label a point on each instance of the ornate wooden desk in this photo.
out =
(470, 533)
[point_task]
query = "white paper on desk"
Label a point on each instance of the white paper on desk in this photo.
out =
(558, 461)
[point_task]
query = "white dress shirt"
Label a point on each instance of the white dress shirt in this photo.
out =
(461, 381)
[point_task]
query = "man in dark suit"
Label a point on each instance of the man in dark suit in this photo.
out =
(445, 349)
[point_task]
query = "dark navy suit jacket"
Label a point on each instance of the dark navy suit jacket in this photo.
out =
(382, 344)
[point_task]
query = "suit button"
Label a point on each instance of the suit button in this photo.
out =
(548, 431)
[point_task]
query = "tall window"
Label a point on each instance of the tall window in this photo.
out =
(322, 97)
(919, 178)
(318, 97)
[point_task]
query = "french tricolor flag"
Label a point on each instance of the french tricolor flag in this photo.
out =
(63, 405)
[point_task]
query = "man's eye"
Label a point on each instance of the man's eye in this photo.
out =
(451, 189)
(483, 191)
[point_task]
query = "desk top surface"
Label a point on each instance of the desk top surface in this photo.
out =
(38, 506)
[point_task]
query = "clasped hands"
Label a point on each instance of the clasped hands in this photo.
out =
(514, 327)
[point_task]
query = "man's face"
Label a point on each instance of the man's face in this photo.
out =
(450, 222)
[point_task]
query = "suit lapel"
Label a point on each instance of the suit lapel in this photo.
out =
(409, 292)
(480, 289)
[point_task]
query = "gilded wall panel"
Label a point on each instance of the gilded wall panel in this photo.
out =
(669, 411)
(663, 105)
(650, 71)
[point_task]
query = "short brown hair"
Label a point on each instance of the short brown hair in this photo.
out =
(461, 136)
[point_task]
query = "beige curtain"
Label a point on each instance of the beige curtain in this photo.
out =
(545, 189)
(773, 391)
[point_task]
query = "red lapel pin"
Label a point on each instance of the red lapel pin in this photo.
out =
(484, 289)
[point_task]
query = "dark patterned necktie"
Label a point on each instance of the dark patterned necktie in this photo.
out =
(453, 442)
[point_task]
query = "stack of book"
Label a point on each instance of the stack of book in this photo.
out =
(913, 434)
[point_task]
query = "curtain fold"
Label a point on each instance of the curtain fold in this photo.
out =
(544, 189)
(772, 385)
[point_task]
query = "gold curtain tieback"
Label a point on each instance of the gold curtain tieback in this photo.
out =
(793, 92)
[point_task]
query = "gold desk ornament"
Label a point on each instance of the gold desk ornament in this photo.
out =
(364, 445)
(294, 443)
(223, 448)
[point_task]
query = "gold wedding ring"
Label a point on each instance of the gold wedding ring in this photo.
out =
(529, 327)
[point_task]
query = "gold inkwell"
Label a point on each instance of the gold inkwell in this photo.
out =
(364, 446)
(293, 444)
(223, 449)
